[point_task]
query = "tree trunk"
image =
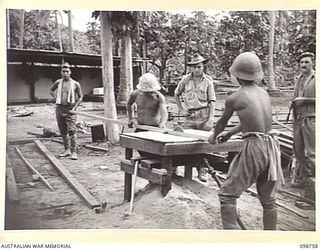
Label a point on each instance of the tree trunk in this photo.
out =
(58, 30)
(271, 82)
(144, 55)
(126, 74)
(21, 37)
(8, 28)
(70, 31)
(110, 110)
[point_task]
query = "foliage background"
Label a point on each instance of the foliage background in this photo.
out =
(168, 39)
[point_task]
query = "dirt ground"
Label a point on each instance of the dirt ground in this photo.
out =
(188, 205)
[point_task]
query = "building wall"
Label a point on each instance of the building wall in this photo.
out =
(20, 78)
(89, 79)
(17, 89)
(29, 83)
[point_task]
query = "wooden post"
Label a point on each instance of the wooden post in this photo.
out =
(127, 186)
(128, 153)
(167, 164)
(188, 171)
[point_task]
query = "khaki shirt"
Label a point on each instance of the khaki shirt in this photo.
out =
(196, 95)
(306, 88)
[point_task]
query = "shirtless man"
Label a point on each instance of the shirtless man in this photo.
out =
(259, 159)
(68, 97)
(151, 104)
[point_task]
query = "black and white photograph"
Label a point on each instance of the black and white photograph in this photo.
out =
(162, 119)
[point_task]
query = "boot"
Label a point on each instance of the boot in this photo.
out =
(73, 143)
(298, 183)
(310, 188)
(202, 172)
(65, 153)
(270, 217)
(74, 156)
(66, 144)
(229, 216)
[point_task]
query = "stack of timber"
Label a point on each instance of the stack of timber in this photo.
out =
(286, 145)
(11, 185)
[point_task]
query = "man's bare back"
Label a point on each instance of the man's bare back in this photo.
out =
(252, 105)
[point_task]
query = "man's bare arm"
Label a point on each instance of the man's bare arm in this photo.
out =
(163, 111)
(223, 121)
(212, 106)
(53, 88)
(131, 101)
(80, 95)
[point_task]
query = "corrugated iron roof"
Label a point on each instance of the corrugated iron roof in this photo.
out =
(57, 57)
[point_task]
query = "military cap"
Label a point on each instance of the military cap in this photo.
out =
(65, 65)
(305, 54)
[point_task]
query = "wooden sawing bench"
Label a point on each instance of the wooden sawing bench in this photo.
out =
(146, 171)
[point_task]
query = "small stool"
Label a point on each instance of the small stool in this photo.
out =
(158, 176)
(97, 133)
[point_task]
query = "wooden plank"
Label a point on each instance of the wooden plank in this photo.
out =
(130, 142)
(286, 146)
(33, 170)
(299, 197)
(172, 132)
(160, 137)
(286, 135)
(281, 139)
(202, 147)
(282, 125)
(99, 117)
(76, 186)
(96, 148)
(151, 163)
(36, 134)
(11, 184)
(18, 141)
(86, 146)
(158, 176)
(145, 127)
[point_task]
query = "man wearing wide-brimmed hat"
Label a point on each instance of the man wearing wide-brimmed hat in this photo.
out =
(197, 91)
(68, 96)
(259, 160)
(304, 124)
(150, 103)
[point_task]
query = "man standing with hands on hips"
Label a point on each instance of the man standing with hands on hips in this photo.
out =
(68, 97)
(197, 90)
